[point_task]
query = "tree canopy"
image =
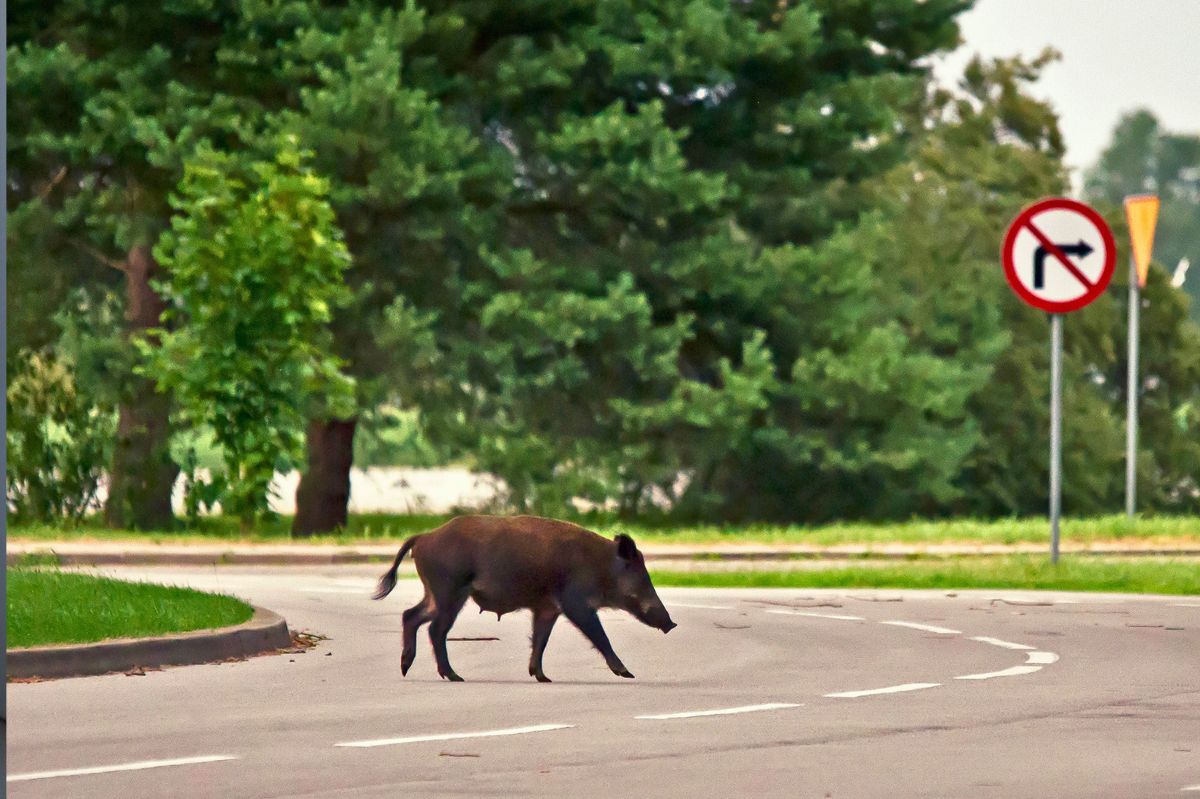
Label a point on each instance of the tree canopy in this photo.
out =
(738, 259)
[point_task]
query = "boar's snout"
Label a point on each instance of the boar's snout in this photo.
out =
(658, 618)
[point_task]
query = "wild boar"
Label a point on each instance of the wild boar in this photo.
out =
(510, 563)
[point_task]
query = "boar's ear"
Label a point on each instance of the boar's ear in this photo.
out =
(625, 547)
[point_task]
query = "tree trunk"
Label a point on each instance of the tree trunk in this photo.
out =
(143, 474)
(324, 490)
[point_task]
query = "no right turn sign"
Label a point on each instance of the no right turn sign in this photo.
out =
(1059, 255)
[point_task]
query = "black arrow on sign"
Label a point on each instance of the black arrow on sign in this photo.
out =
(1082, 249)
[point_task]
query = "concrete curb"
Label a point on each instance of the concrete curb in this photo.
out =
(264, 632)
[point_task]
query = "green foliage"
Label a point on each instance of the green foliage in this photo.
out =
(646, 259)
(1168, 392)
(389, 436)
(58, 440)
(736, 257)
(1142, 158)
(254, 264)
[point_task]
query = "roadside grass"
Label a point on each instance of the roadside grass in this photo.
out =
(374, 528)
(46, 606)
(1140, 576)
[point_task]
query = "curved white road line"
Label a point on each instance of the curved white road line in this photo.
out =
(892, 689)
(1010, 672)
(138, 766)
(1034, 659)
(929, 628)
(726, 711)
(453, 736)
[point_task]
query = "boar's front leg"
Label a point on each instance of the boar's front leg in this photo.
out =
(543, 623)
(583, 616)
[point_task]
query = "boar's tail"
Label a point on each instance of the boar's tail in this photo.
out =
(388, 581)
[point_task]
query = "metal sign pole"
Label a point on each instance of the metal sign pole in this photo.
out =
(1131, 392)
(1056, 346)
(1044, 237)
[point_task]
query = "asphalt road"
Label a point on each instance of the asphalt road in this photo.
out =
(821, 693)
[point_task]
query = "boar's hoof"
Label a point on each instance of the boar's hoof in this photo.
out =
(452, 677)
(623, 672)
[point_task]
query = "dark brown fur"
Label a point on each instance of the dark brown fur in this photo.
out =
(524, 562)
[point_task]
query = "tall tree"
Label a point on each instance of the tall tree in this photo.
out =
(407, 180)
(989, 149)
(1143, 158)
(107, 100)
(672, 168)
(253, 264)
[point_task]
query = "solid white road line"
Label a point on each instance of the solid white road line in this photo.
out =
(1013, 672)
(894, 689)
(726, 711)
(138, 766)
(453, 736)
(701, 607)
(817, 615)
(1187, 788)
(983, 639)
(929, 628)
(363, 592)
(1186, 605)
(1044, 658)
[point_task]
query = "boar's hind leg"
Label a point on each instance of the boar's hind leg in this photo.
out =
(584, 617)
(443, 619)
(414, 617)
(543, 623)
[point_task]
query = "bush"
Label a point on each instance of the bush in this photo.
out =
(59, 441)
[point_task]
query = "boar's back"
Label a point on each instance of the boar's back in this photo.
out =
(515, 562)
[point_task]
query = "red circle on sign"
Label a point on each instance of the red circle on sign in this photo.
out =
(1022, 221)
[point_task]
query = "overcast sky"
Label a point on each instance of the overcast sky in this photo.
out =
(1117, 55)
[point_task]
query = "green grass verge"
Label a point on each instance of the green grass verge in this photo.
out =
(378, 528)
(53, 607)
(1141, 576)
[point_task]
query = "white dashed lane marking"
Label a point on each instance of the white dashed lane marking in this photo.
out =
(1187, 788)
(929, 628)
(893, 689)
(454, 736)
(983, 639)
(726, 711)
(1042, 658)
(817, 615)
(137, 766)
